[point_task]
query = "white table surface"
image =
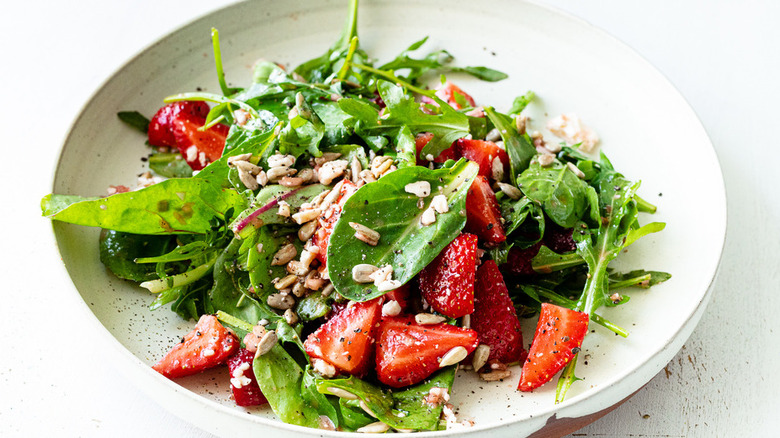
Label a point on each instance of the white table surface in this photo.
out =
(722, 55)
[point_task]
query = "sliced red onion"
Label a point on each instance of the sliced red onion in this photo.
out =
(271, 204)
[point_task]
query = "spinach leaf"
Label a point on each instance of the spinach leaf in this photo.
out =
(290, 390)
(518, 146)
(405, 244)
(406, 148)
(173, 206)
(135, 120)
(118, 252)
(561, 193)
(313, 306)
(265, 208)
(170, 165)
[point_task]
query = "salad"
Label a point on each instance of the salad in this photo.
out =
(347, 237)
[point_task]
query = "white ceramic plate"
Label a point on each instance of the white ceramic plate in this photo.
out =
(646, 128)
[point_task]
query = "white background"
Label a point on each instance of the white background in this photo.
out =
(723, 56)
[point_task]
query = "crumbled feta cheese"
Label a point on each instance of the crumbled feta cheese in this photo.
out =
(570, 128)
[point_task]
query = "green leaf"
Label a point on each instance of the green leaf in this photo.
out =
(484, 73)
(405, 409)
(636, 234)
(303, 132)
(290, 390)
(518, 146)
(521, 102)
(547, 260)
(118, 252)
(170, 165)
(313, 306)
(402, 110)
(562, 194)
(406, 148)
(405, 244)
(135, 120)
(173, 206)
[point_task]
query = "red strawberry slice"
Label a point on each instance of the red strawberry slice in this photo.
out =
(246, 391)
(408, 352)
(483, 153)
(346, 341)
(421, 140)
(402, 296)
(494, 317)
(161, 125)
(199, 148)
(447, 283)
(519, 261)
(328, 220)
(208, 345)
(482, 215)
(558, 337)
(558, 239)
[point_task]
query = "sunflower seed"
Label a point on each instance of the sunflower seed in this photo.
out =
(453, 356)
(365, 234)
(546, 159)
(439, 203)
(281, 301)
(332, 170)
(497, 169)
(362, 273)
(428, 318)
(377, 427)
(306, 216)
(266, 343)
(290, 316)
(576, 170)
(480, 357)
(510, 190)
(285, 282)
(307, 230)
(284, 255)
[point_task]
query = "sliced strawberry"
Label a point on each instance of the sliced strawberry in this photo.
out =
(483, 153)
(161, 125)
(243, 382)
(329, 218)
(519, 261)
(346, 341)
(407, 352)
(447, 283)
(482, 215)
(558, 239)
(494, 317)
(451, 94)
(207, 346)
(199, 148)
(421, 140)
(558, 337)
(402, 295)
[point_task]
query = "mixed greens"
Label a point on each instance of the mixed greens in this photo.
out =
(217, 240)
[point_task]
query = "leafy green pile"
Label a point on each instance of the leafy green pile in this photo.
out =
(180, 239)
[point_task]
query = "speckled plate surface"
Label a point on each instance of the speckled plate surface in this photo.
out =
(646, 127)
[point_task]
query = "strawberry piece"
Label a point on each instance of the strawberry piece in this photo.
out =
(402, 296)
(161, 125)
(494, 317)
(558, 239)
(421, 140)
(208, 345)
(447, 283)
(451, 94)
(199, 148)
(482, 215)
(519, 261)
(483, 153)
(346, 341)
(328, 220)
(558, 337)
(243, 382)
(408, 352)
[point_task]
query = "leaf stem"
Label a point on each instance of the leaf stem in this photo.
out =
(635, 281)
(183, 279)
(234, 321)
(211, 97)
(218, 60)
(395, 79)
(566, 380)
(353, 43)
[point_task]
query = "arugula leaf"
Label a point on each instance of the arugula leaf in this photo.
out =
(405, 244)
(303, 132)
(518, 146)
(637, 278)
(520, 102)
(173, 206)
(483, 73)
(134, 119)
(406, 148)
(320, 69)
(561, 193)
